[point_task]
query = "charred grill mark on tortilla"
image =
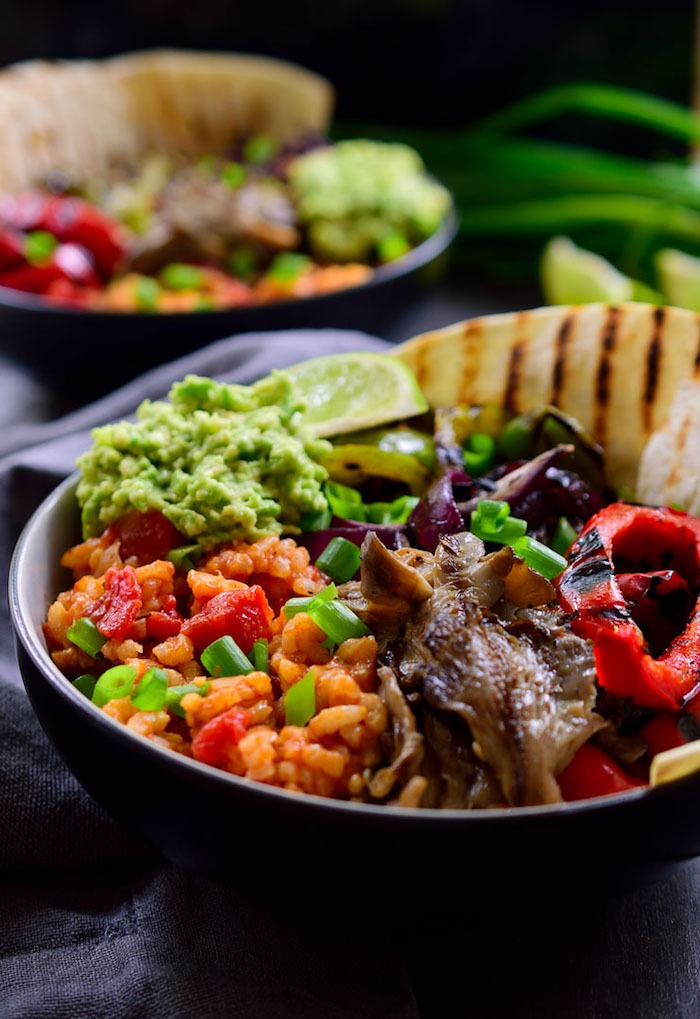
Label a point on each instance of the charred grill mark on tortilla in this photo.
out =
(471, 340)
(517, 355)
(560, 347)
(602, 391)
(652, 367)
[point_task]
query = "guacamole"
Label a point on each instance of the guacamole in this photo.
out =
(222, 462)
(357, 198)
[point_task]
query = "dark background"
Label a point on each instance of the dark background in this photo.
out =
(418, 62)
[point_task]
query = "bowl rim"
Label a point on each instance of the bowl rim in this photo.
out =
(422, 254)
(410, 816)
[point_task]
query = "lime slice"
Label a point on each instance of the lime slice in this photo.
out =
(679, 278)
(572, 275)
(347, 392)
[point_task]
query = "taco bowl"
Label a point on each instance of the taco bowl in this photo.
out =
(226, 826)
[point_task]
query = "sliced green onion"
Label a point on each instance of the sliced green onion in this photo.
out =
(509, 531)
(85, 635)
(223, 657)
(492, 513)
(396, 512)
(286, 266)
(233, 175)
(337, 621)
(86, 684)
(184, 557)
(340, 559)
(479, 453)
(539, 557)
(300, 701)
(147, 292)
(564, 536)
(39, 246)
(294, 605)
(261, 148)
(514, 441)
(260, 655)
(150, 691)
(174, 694)
(114, 684)
(242, 263)
(179, 276)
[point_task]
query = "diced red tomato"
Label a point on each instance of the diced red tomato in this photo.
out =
(145, 536)
(591, 773)
(243, 614)
(166, 622)
(115, 611)
(218, 735)
(71, 220)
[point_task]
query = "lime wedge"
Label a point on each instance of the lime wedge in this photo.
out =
(679, 278)
(572, 275)
(347, 392)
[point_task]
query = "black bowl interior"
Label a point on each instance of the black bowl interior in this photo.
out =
(70, 347)
(225, 826)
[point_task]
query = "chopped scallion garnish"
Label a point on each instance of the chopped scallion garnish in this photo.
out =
(340, 559)
(224, 657)
(179, 276)
(300, 701)
(491, 521)
(174, 694)
(185, 557)
(85, 635)
(233, 175)
(114, 684)
(260, 655)
(479, 453)
(86, 684)
(150, 691)
(39, 246)
(539, 557)
(260, 148)
(564, 536)
(337, 621)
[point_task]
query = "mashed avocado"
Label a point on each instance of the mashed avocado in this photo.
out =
(221, 462)
(354, 195)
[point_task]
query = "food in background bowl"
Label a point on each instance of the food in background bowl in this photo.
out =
(452, 610)
(243, 202)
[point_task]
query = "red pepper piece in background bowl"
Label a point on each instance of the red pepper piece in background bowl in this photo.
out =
(12, 251)
(621, 539)
(68, 262)
(70, 220)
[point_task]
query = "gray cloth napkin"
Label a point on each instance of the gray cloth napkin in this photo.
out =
(94, 924)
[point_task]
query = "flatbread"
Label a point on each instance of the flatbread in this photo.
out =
(87, 117)
(615, 368)
(669, 468)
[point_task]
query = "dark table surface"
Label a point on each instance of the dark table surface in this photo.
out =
(560, 954)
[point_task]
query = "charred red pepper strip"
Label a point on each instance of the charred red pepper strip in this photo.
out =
(217, 736)
(634, 539)
(593, 773)
(115, 611)
(243, 614)
(69, 219)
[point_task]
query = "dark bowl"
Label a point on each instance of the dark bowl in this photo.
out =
(231, 829)
(71, 347)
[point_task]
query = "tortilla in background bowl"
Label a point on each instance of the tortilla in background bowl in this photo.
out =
(419, 860)
(71, 122)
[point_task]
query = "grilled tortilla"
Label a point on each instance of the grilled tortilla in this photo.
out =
(87, 117)
(615, 368)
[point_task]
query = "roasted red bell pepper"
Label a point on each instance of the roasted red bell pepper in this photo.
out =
(243, 614)
(115, 611)
(625, 539)
(592, 773)
(69, 219)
